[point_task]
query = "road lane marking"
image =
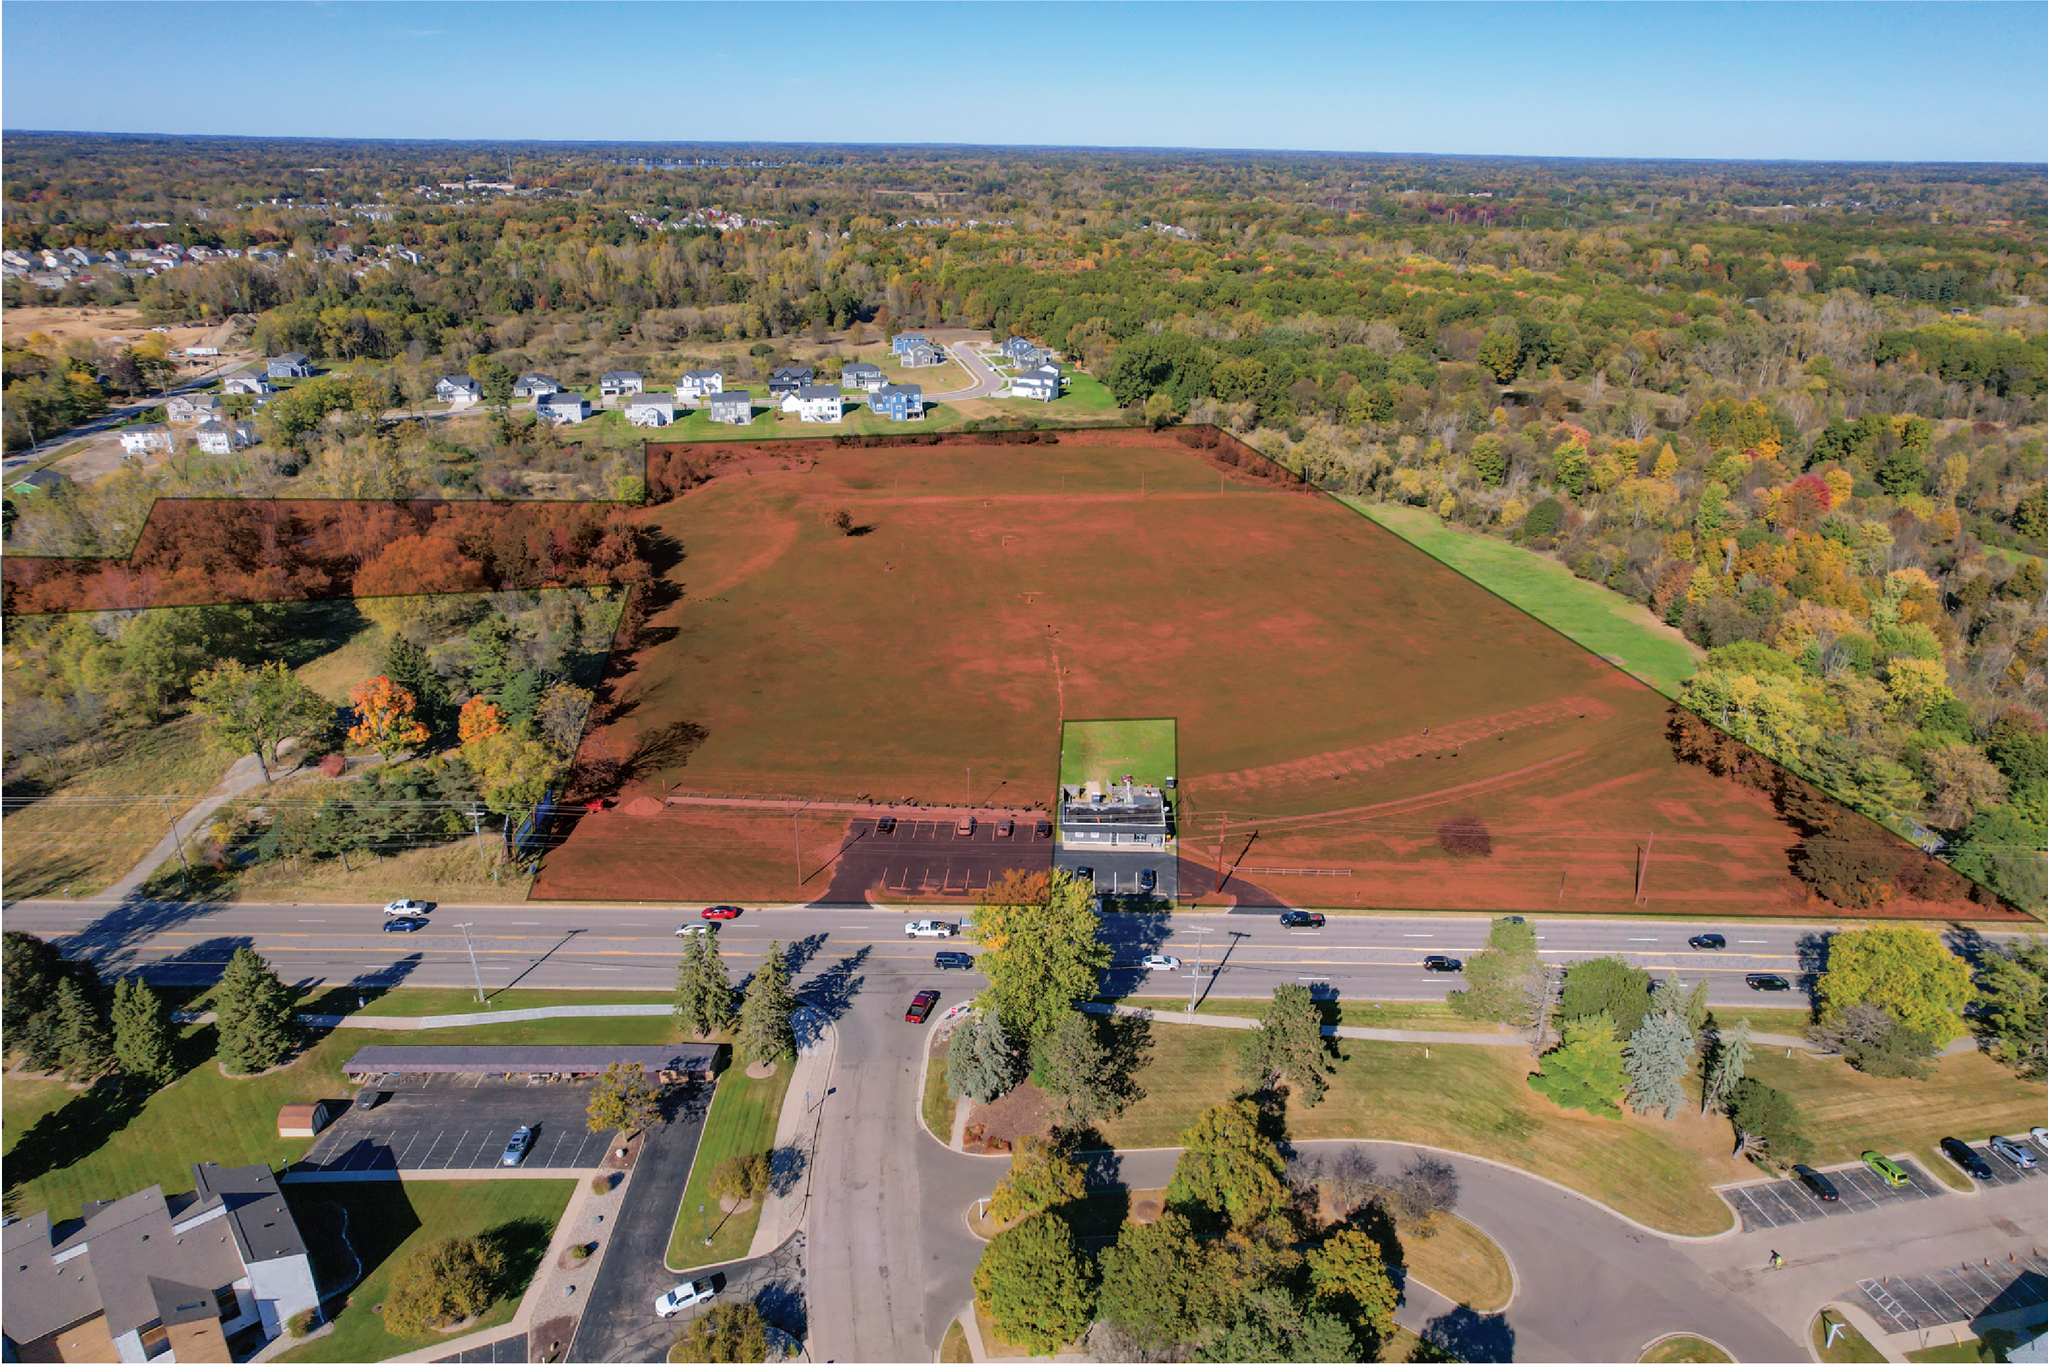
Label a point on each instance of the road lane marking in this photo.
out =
(607, 968)
(1759, 942)
(312, 921)
(1642, 940)
(1418, 935)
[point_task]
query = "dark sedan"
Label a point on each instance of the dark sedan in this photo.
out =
(404, 925)
(1959, 1151)
(1707, 942)
(1768, 983)
(1301, 918)
(921, 1006)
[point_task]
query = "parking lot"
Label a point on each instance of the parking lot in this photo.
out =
(461, 1122)
(931, 857)
(1783, 1202)
(2003, 1172)
(510, 1350)
(1121, 872)
(1917, 1302)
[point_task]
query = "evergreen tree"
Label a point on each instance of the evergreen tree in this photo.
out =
(30, 970)
(703, 988)
(142, 1032)
(1607, 985)
(254, 1015)
(1158, 1283)
(1505, 980)
(980, 1064)
(1585, 1071)
(1656, 1060)
(765, 1031)
(407, 664)
(1696, 1011)
(1289, 1040)
(82, 1046)
(1726, 1066)
(1077, 1072)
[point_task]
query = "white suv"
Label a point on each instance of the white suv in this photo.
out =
(408, 909)
(929, 928)
(684, 1295)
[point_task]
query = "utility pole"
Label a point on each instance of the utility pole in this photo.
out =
(797, 838)
(184, 867)
(476, 817)
(473, 971)
(1195, 979)
(970, 783)
(1221, 834)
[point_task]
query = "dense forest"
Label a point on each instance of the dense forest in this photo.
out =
(1796, 410)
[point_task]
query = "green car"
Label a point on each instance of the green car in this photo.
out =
(1887, 1169)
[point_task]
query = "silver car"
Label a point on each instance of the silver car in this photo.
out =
(2013, 1153)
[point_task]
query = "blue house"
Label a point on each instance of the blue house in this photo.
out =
(898, 402)
(900, 344)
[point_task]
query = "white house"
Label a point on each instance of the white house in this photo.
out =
(224, 438)
(534, 385)
(149, 1277)
(650, 410)
(1042, 383)
(862, 377)
(189, 409)
(816, 403)
(459, 390)
(140, 440)
(617, 383)
(561, 409)
(699, 384)
(254, 384)
(291, 365)
(734, 408)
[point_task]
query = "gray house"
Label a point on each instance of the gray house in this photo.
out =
(734, 407)
(1131, 816)
(561, 408)
(534, 385)
(149, 1277)
(224, 438)
(1024, 354)
(789, 379)
(290, 365)
(862, 377)
(921, 353)
(650, 410)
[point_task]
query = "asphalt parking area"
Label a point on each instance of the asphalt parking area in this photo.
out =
(2003, 1171)
(1917, 1302)
(462, 1125)
(931, 857)
(1783, 1202)
(510, 1350)
(1120, 872)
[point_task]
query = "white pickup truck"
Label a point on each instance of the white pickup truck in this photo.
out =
(929, 928)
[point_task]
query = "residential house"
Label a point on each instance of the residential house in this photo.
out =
(224, 438)
(789, 379)
(1024, 354)
(187, 409)
(459, 390)
(290, 365)
(734, 407)
(898, 402)
(922, 353)
(534, 386)
(698, 385)
(817, 403)
(1042, 383)
(618, 383)
(149, 1277)
(140, 440)
(561, 408)
(650, 410)
(862, 377)
(254, 384)
(899, 344)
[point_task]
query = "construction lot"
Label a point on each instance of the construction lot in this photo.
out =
(461, 1122)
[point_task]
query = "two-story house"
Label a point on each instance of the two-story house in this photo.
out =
(534, 386)
(225, 437)
(618, 383)
(921, 353)
(699, 384)
(900, 343)
(561, 408)
(1042, 383)
(459, 391)
(789, 379)
(898, 402)
(733, 407)
(1024, 354)
(256, 385)
(650, 409)
(861, 377)
(290, 365)
(816, 403)
(186, 409)
(140, 440)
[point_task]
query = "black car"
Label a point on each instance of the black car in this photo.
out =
(886, 824)
(1433, 962)
(1766, 982)
(1817, 1184)
(404, 925)
(1084, 874)
(954, 961)
(1960, 1151)
(1045, 828)
(1148, 879)
(1300, 918)
(1707, 942)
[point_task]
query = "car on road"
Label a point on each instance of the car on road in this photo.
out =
(695, 930)
(1887, 1169)
(886, 824)
(929, 928)
(921, 1006)
(407, 925)
(1301, 918)
(1763, 980)
(966, 827)
(408, 909)
(1706, 942)
(516, 1149)
(1817, 1184)
(1085, 874)
(1958, 1150)
(2014, 1154)
(1436, 962)
(721, 911)
(1006, 828)
(1155, 962)
(369, 1098)
(953, 961)
(684, 1295)
(1148, 879)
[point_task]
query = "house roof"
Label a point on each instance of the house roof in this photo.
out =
(702, 374)
(454, 1060)
(650, 400)
(563, 396)
(907, 390)
(798, 372)
(815, 392)
(732, 397)
(613, 376)
(862, 367)
(295, 357)
(461, 381)
(256, 1210)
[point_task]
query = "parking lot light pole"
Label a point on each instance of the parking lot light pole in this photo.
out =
(1195, 977)
(479, 975)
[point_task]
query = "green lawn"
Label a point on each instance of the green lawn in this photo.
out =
(1598, 619)
(1850, 1347)
(415, 1001)
(65, 1146)
(1104, 750)
(388, 1222)
(1421, 1015)
(742, 1120)
(1684, 1350)
(1971, 1351)
(938, 1104)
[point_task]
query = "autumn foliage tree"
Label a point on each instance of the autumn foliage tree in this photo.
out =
(384, 717)
(479, 720)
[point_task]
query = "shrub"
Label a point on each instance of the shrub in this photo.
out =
(601, 1184)
(731, 1332)
(581, 1250)
(742, 1178)
(302, 1323)
(441, 1284)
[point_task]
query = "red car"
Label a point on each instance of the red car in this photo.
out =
(722, 912)
(921, 1006)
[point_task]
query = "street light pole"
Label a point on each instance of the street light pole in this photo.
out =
(479, 975)
(1195, 979)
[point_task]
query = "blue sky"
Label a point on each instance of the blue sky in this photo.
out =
(1953, 82)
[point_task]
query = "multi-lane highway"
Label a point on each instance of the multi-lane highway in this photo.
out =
(634, 946)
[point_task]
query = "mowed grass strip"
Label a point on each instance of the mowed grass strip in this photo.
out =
(1684, 1350)
(389, 1221)
(742, 1121)
(1462, 1263)
(1417, 1015)
(1604, 621)
(938, 1104)
(426, 1001)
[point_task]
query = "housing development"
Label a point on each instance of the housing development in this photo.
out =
(643, 751)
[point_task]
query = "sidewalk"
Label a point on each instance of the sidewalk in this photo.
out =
(1441, 1039)
(242, 775)
(796, 1132)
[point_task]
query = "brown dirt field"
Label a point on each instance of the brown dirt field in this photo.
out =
(1339, 695)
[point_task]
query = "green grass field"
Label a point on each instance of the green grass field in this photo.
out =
(1684, 1350)
(1418, 1015)
(938, 1104)
(1601, 620)
(742, 1121)
(415, 1001)
(1850, 1346)
(389, 1221)
(1105, 750)
(771, 423)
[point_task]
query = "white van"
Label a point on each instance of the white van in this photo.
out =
(929, 928)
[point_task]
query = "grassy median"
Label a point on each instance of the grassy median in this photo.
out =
(742, 1121)
(1462, 1263)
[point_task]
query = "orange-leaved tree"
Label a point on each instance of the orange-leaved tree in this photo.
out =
(384, 719)
(479, 720)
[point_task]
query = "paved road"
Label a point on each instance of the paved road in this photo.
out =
(633, 946)
(987, 383)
